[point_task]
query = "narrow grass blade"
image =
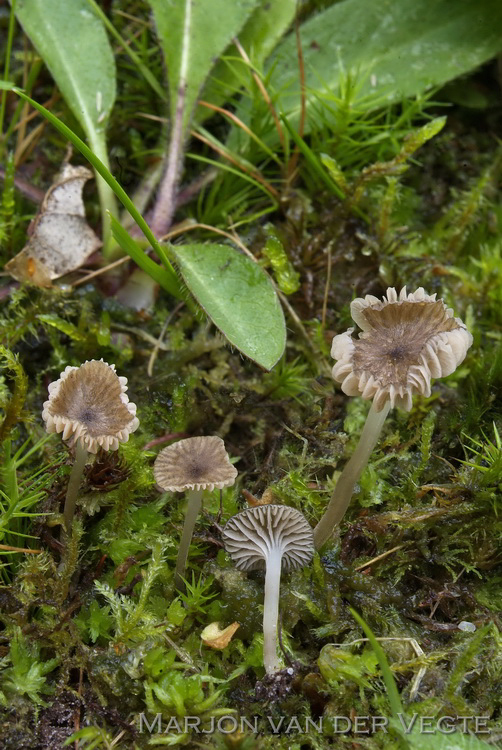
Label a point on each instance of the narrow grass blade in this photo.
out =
(388, 677)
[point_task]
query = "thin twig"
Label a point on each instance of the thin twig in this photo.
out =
(379, 557)
(326, 287)
(263, 91)
(416, 648)
(303, 100)
(8, 548)
(155, 350)
(109, 267)
(252, 173)
(297, 321)
(188, 227)
(242, 125)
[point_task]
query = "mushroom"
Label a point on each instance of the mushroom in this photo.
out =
(89, 405)
(193, 464)
(272, 536)
(406, 340)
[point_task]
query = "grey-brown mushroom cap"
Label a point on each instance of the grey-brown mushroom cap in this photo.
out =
(198, 463)
(89, 404)
(405, 341)
(250, 535)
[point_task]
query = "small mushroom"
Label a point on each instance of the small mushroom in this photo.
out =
(406, 340)
(193, 464)
(89, 405)
(269, 536)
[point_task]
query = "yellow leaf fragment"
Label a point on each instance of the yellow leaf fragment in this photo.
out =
(267, 498)
(215, 638)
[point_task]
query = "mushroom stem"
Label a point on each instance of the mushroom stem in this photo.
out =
(192, 511)
(73, 487)
(352, 471)
(271, 611)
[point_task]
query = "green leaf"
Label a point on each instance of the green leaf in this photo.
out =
(258, 37)
(73, 44)
(84, 72)
(439, 739)
(394, 49)
(239, 298)
(193, 35)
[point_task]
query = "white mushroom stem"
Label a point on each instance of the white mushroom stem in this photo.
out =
(77, 472)
(350, 475)
(271, 610)
(193, 508)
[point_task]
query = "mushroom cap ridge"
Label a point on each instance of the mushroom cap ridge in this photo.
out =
(89, 404)
(197, 463)
(250, 535)
(406, 340)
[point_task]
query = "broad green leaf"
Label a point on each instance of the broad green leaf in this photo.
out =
(238, 297)
(193, 34)
(258, 37)
(73, 44)
(394, 49)
(436, 734)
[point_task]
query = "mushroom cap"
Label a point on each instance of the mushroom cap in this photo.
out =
(197, 463)
(89, 404)
(251, 534)
(406, 340)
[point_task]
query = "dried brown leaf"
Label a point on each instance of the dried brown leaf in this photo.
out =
(61, 240)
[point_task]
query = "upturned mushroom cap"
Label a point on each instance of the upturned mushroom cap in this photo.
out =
(406, 340)
(251, 534)
(198, 463)
(89, 404)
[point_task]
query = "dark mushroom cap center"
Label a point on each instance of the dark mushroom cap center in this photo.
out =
(91, 396)
(200, 460)
(398, 336)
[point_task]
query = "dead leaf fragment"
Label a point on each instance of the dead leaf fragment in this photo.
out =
(215, 638)
(61, 240)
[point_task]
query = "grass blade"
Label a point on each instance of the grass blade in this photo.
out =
(388, 677)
